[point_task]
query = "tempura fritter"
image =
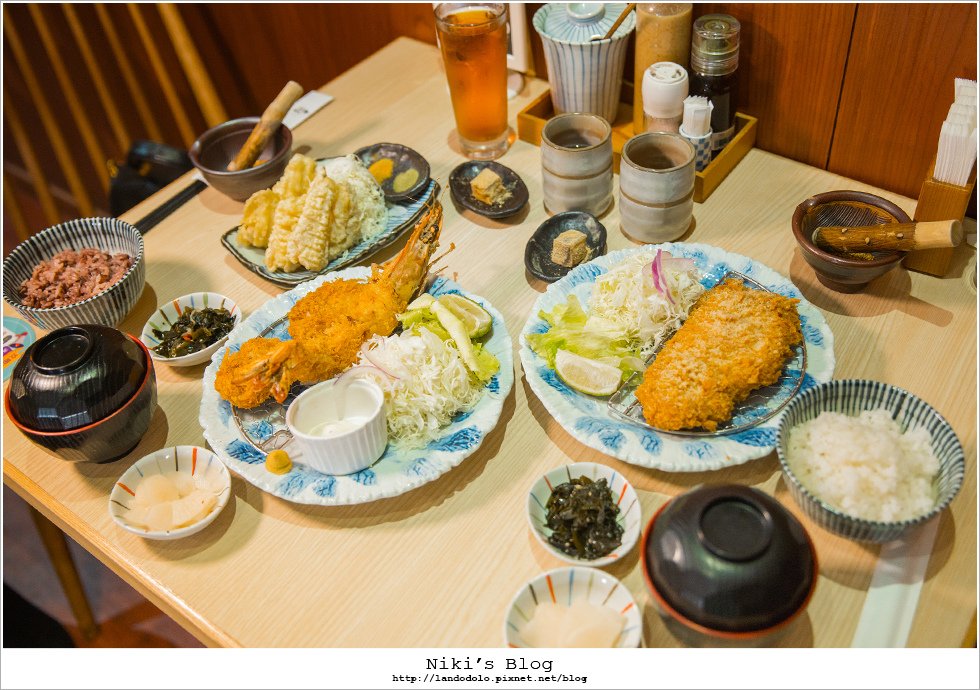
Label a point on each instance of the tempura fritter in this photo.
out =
(734, 341)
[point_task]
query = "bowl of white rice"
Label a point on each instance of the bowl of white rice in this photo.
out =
(867, 460)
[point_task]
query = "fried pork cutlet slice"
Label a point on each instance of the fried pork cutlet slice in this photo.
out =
(734, 341)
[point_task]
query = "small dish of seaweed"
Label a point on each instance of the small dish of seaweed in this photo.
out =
(584, 513)
(186, 331)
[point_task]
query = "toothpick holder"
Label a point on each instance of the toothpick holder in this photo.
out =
(938, 201)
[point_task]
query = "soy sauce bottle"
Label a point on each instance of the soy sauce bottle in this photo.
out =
(714, 60)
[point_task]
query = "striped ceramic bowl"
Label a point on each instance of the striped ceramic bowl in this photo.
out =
(584, 75)
(623, 495)
(164, 317)
(851, 397)
(203, 467)
(566, 586)
(106, 308)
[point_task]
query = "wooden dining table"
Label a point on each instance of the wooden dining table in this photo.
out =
(438, 565)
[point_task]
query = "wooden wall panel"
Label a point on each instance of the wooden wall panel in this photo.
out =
(268, 44)
(898, 88)
(791, 64)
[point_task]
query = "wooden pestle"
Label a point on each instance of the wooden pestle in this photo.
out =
(890, 236)
(266, 127)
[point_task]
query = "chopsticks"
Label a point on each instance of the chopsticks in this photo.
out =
(154, 217)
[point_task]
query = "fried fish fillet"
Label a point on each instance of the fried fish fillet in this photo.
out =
(735, 340)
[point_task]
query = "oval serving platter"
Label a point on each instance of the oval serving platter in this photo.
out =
(589, 420)
(402, 215)
(235, 435)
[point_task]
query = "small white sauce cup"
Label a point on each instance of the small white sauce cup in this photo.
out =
(351, 450)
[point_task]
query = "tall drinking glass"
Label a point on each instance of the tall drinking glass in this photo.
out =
(473, 38)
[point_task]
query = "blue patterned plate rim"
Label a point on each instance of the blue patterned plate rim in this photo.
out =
(588, 419)
(398, 470)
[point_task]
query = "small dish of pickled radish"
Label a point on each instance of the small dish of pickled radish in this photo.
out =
(573, 607)
(172, 493)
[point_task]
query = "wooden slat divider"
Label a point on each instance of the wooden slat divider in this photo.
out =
(12, 206)
(48, 206)
(197, 75)
(122, 59)
(119, 129)
(163, 76)
(95, 151)
(58, 144)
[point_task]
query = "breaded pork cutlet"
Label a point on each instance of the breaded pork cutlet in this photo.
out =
(735, 340)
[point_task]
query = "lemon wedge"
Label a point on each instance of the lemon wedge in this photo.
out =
(587, 375)
(475, 318)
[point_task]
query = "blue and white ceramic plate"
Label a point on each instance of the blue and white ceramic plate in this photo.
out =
(402, 215)
(398, 470)
(588, 418)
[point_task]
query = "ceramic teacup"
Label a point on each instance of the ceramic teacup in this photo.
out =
(656, 187)
(576, 163)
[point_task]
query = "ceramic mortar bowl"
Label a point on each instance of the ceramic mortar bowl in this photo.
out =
(836, 271)
(217, 147)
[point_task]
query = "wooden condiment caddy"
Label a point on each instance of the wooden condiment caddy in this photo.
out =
(533, 118)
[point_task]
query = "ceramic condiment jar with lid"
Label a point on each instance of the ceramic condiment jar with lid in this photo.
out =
(585, 75)
(728, 566)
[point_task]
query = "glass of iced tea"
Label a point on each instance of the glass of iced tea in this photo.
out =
(473, 38)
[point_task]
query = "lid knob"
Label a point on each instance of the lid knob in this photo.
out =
(586, 12)
(65, 351)
(735, 529)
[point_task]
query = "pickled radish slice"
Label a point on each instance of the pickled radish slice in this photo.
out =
(155, 489)
(580, 625)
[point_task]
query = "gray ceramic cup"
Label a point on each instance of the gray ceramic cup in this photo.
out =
(656, 187)
(577, 163)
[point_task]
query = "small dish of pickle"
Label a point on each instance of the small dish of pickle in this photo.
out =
(584, 513)
(187, 330)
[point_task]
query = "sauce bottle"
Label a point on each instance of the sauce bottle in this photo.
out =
(714, 59)
(663, 34)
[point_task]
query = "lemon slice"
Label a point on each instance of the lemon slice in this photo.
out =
(587, 375)
(475, 318)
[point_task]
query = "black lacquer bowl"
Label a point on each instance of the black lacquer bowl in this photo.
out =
(85, 393)
(728, 566)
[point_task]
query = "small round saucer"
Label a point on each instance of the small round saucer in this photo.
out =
(459, 185)
(406, 163)
(537, 254)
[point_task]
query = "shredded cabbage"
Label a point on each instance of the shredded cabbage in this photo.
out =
(626, 301)
(629, 313)
(432, 384)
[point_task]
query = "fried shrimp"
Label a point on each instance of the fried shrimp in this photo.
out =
(328, 326)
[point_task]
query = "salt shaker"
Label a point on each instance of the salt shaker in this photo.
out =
(664, 91)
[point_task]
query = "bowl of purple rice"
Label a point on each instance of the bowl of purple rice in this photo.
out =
(85, 271)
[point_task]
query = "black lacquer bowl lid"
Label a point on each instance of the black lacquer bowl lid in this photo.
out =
(74, 377)
(729, 558)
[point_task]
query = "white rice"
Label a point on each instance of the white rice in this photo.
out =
(865, 466)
